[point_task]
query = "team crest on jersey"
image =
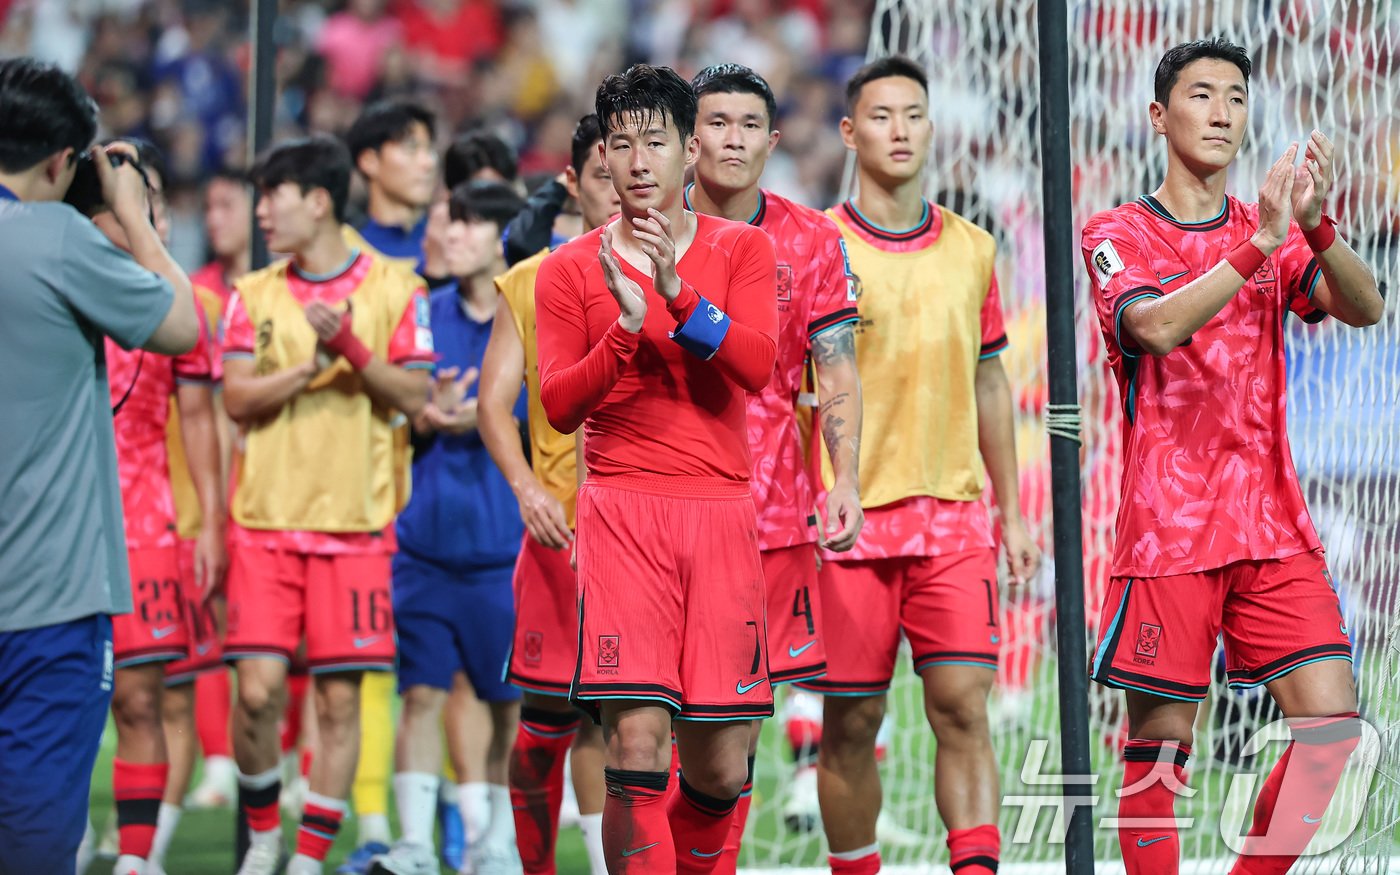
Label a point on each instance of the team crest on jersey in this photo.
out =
(609, 651)
(1106, 261)
(534, 647)
(785, 281)
(1149, 637)
(1264, 277)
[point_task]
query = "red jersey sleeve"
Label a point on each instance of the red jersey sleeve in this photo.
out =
(1299, 274)
(411, 345)
(994, 340)
(1118, 271)
(574, 377)
(196, 366)
(834, 298)
(750, 346)
(239, 336)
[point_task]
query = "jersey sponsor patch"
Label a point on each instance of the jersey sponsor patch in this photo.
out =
(423, 339)
(1106, 262)
(852, 284)
(422, 311)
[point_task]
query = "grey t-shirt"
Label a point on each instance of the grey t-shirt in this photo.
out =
(63, 286)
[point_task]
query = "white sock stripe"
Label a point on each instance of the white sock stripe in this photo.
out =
(858, 853)
(260, 781)
(327, 802)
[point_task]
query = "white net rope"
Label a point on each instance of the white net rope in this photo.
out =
(1318, 63)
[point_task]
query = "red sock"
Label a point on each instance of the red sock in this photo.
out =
(212, 704)
(320, 822)
(729, 861)
(974, 851)
(636, 833)
(867, 865)
(537, 783)
(1147, 829)
(296, 707)
(258, 794)
(137, 789)
(804, 737)
(1297, 793)
(699, 824)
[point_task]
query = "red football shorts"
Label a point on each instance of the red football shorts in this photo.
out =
(206, 651)
(1157, 634)
(794, 614)
(155, 630)
(945, 605)
(544, 651)
(671, 597)
(340, 603)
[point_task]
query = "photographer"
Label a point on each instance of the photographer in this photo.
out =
(63, 566)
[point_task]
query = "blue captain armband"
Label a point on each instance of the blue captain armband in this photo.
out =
(704, 331)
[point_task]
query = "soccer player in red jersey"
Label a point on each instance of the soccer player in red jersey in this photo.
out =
(671, 598)
(545, 647)
(142, 385)
(228, 214)
(817, 314)
(938, 426)
(319, 352)
(1192, 288)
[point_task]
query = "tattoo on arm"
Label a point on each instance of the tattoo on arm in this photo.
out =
(836, 345)
(831, 429)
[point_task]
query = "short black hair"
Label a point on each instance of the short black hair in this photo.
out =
(484, 200)
(643, 92)
(883, 68)
(735, 79)
(1179, 56)
(148, 156)
(474, 152)
(586, 134)
(317, 161)
(227, 174)
(386, 121)
(45, 111)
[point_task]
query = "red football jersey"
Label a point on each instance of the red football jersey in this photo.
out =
(1208, 477)
(141, 384)
(650, 406)
(410, 345)
(814, 295)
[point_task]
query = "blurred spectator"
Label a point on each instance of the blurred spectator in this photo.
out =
(354, 42)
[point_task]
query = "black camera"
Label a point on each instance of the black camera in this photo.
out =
(85, 194)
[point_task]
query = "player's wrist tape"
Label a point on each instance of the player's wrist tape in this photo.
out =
(1320, 239)
(1246, 258)
(704, 331)
(346, 344)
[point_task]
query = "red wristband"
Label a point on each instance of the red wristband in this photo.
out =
(345, 343)
(1320, 239)
(1246, 258)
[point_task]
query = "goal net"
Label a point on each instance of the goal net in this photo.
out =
(1327, 64)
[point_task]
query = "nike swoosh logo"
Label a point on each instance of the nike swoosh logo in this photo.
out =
(699, 853)
(996, 639)
(793, 653)
(1175, 276)
(365, 642)
(1309, 819)
(163, 632)
(201, 649)
(1142, 843)
(627, 852)
(741, 689)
